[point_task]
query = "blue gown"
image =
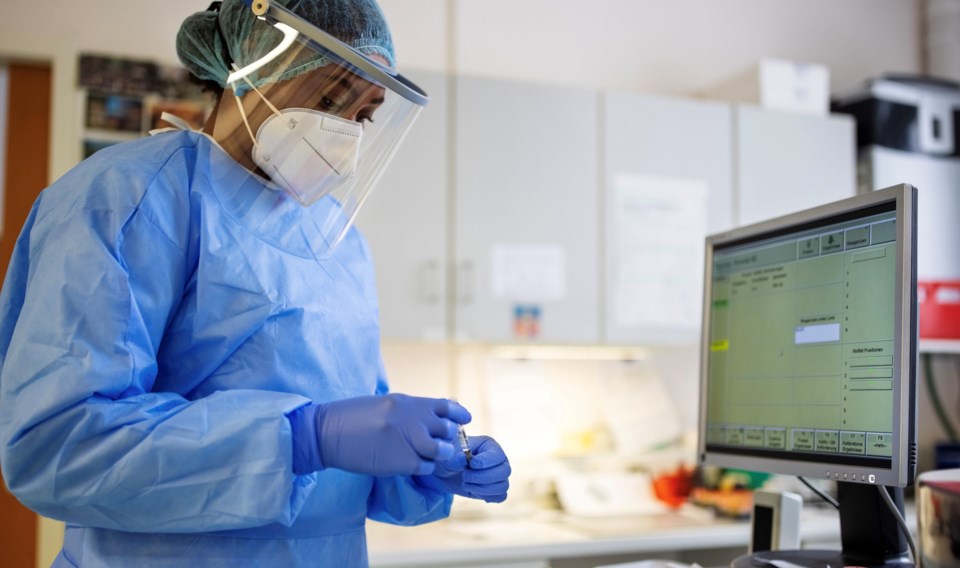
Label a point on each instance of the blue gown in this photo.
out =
(162, 314)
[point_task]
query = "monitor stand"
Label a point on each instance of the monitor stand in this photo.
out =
(868, 532)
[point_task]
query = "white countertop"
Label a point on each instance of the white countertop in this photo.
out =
(542, 536)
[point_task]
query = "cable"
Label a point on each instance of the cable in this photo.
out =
(935, 398)
(823, 495)
(902, 523)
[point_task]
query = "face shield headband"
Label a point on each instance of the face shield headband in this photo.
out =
(291, 25)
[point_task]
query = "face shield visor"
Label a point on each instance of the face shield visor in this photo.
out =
(324, 119)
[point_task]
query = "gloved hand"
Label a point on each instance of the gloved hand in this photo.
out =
(392, 434)
(484, 477)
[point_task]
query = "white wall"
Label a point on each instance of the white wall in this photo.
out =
(682, 46)
(943, 38)
(657, 46)
(653, 46)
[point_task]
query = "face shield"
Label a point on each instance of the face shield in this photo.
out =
(324, 119)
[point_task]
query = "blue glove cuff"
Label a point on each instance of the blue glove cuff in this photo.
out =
(306, 445)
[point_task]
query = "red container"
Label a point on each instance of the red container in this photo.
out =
(939, 309)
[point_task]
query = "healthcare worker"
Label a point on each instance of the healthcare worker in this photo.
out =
(191, 371)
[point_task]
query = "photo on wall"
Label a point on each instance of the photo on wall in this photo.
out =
(114, 112)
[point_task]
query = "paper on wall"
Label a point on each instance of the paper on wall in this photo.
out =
(529, 273)
(657, 238)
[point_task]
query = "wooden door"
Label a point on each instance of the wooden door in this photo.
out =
(25, 175)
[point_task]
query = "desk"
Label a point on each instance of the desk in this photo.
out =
(561, 541)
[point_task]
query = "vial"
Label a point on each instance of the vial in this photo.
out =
(464, 443)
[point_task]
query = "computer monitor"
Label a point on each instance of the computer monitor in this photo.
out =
(809, 345)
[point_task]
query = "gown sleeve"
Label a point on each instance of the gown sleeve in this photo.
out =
(397, 499)
(89, 291)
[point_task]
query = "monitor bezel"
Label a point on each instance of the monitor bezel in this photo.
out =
(903, 460)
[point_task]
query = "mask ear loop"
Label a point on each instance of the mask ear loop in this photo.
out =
(243, 113)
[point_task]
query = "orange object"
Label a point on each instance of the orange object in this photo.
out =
(673, 488)
(734, 503)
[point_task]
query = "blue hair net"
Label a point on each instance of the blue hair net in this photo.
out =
(210, 42)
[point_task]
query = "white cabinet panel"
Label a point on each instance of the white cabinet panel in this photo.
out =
(532, 167)
(668, 171)
(790, 162)
(405, 222)
(937, 180)
(526, 210)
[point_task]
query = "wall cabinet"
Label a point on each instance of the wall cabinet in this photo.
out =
(788, 162)
(587, 210)
(526, 214)
(668, 183)
(405, 221)
(453, 261)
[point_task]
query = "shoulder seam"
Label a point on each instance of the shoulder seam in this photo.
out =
(138, 209)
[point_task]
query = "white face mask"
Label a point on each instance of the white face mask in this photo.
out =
(306, 152)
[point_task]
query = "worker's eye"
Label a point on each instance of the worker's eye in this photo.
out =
(365, 118)
(328, 104)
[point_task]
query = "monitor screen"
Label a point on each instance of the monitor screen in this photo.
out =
(809, 343)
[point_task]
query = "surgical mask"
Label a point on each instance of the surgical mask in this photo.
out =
(306, 152)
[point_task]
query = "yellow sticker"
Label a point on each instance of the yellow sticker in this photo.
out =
(720, 345)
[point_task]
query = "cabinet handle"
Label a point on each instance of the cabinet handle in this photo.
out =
(465, 282)
(429, 282)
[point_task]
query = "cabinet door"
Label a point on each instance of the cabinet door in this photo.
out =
(668, 170)
(526, 212)
(789, 162)
(405, 222)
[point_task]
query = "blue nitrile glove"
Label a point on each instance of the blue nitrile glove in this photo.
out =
(485, 477)
(392, 434)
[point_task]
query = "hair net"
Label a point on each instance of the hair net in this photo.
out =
(210, 42)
